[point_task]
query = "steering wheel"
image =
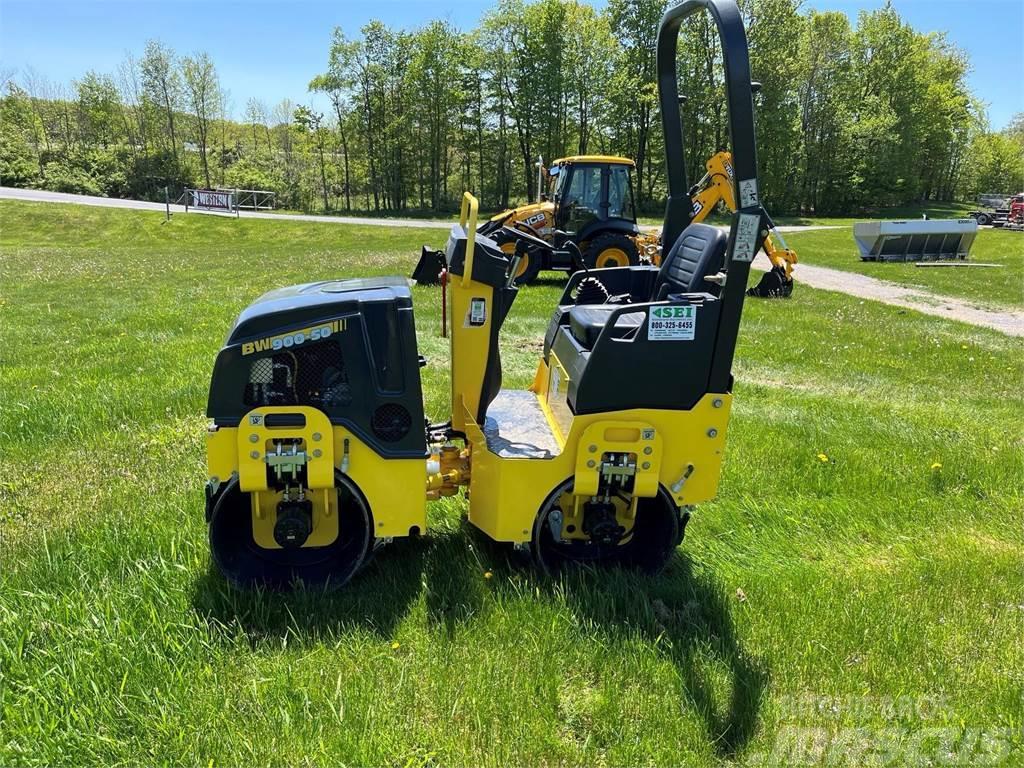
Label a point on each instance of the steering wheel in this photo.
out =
(568, 245)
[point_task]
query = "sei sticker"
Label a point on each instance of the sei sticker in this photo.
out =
(746, 237)
(672, 323)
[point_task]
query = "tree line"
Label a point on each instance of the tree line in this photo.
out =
(850, 115)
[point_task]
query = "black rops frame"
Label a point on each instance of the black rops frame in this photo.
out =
(679, 208)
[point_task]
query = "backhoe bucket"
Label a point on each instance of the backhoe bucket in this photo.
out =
(773, 285)
(915, 240)
(428, 269)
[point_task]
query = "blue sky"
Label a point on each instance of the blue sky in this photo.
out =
(271, 49)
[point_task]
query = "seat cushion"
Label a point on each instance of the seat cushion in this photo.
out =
(698, 252)
(588, 320)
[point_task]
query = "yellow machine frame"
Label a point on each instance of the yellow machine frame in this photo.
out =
(680, 451)
(384, 482)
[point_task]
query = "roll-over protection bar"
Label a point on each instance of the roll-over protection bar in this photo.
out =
(749, 219)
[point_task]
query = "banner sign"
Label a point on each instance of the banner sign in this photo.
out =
(215, 201)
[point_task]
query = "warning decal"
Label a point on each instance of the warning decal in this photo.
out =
(748, 193)
(746, 237)
(672, 323)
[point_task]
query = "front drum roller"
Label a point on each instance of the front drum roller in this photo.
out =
(656, 532)
(245, 564)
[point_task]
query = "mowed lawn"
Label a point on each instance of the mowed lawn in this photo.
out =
(856, 593)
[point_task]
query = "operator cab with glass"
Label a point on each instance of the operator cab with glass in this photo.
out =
(592, 192)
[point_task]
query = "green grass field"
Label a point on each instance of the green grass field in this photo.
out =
(855, 595)
(991, 287)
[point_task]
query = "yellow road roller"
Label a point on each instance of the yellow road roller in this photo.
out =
(318, 450)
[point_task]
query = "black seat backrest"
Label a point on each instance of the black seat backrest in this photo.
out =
(698, 252)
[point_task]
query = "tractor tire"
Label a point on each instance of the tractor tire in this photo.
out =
(611, 250)
(983, 219)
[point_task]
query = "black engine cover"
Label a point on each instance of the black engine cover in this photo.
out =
(345, 347)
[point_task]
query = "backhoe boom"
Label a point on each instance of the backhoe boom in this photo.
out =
(717, 186)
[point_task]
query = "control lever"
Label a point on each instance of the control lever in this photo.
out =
(513, 266)
(577, 256)
(526, 238)
(564, 244)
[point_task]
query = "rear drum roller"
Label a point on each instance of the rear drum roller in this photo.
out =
(647, 547)
(245, 564)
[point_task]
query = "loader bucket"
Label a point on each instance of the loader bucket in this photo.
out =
(428, 269)
(915, 240)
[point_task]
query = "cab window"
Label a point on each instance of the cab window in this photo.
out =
(581, 201)
(620, 194)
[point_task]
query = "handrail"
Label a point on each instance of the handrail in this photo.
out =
(467, 215)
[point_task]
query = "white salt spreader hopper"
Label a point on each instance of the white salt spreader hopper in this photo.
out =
(915, 240)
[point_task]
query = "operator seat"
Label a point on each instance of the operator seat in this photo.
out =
(698, 252)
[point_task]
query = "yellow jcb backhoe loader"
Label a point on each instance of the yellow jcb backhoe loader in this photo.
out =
(587, 220)
(586, 216)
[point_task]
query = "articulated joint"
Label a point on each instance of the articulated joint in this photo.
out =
(447, 470)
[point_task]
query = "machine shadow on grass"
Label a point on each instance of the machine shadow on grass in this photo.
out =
(395, 572)
(682, 611)
(378, 597)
